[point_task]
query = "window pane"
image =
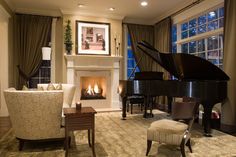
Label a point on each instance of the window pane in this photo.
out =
(202, 55)
(130, 54)
(129, 40)
(129, 71)
(192, 47)
(184, 35)
(174, 33)
(184, 48)
(174, 48)
(212, 43)
(212, 25)
(130, 63)
(201, 45)
(221, 23)
(184, 26)
(221, 54)
(192, 23)
(192, 32)
(212, 15)
(221, 12)
(202, 20)
(202, 29)
(213, 54)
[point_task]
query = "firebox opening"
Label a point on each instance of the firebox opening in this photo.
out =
(93, 88)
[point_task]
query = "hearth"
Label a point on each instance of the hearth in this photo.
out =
(93, 88)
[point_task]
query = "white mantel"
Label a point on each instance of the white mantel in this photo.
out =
(84, 64)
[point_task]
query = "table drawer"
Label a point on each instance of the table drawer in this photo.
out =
(80, 122)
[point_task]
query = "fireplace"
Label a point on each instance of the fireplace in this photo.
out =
(93, 88)
(96, 79)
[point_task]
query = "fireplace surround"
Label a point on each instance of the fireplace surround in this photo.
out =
(95, 67)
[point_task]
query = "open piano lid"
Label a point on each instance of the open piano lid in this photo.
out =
(184, 66)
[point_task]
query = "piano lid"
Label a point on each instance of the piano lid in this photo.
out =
(184, 66)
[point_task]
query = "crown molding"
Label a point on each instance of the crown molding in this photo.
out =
(172, 11)
(110, 16)
(39, 12)
(138, 21)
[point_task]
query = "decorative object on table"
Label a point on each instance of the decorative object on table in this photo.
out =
(93, 38)
(78, 106)
(67, 37)
(117, 45)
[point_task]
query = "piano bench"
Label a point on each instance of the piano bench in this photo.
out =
(135, 100)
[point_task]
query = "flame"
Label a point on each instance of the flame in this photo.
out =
(89, 91)
(96, 90)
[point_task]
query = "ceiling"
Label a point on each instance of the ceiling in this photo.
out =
(127, 10)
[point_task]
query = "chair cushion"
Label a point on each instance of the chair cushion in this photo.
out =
(166, 131)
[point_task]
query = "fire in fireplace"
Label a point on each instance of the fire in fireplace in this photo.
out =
(93, 88)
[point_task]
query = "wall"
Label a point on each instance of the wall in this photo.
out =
(6, 53)
(115, 29)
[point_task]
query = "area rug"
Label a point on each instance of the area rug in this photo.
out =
(122, 138)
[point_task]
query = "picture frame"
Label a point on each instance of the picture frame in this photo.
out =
(92, 38)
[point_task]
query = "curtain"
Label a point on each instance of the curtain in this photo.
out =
(31, 33)
(229, 64)
(137, 34)
(162, 42)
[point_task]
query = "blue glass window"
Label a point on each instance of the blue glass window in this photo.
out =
(184, 26)
(202, 55)
(192, 23)
(131, 63)
(212, 25)
(201, 45)
(184, 35)
(202, 20)
(192, 32)
(212, 15)
(174, 48)
(192, 47)
(174, 33)
(184, 48)
(212, 43)
(221, 12)
(202, 29)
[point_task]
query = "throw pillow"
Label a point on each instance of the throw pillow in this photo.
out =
(58, 87)
(40, 88)
(25, 88)
(50, 87)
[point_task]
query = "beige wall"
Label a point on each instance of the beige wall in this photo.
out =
(6, 53)
(115, 28)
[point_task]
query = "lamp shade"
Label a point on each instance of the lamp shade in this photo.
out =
(46, 53)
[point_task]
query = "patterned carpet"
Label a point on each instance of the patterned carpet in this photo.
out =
(122, 138)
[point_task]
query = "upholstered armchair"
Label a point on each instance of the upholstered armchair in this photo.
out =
(175, 131)
(35, 115)
(69, 92)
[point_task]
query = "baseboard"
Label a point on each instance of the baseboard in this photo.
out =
(228, 128)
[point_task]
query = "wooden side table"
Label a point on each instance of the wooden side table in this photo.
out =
(83, 119)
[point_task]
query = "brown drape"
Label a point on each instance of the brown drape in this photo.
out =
(162, 42)
(31, 33)
(137, 34)
(229, 64)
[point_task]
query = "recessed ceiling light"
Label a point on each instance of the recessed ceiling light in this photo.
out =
(80, 5)
(144, 3)
(111, 9)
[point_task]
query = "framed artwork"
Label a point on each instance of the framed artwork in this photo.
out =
(92, 38)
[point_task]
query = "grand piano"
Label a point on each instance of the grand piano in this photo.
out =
(194, 77)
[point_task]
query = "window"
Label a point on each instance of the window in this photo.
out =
(201, 36)
(131, 63)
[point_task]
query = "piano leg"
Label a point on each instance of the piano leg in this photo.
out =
(169, 102)
(124, 101)
(207, 120)
(148, 105)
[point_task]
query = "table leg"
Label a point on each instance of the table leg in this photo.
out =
(89, 138)
(66, 143)
(93, 138)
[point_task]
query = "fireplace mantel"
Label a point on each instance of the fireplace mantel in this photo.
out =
(109, 66)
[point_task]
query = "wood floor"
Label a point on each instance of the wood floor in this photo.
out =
(5, 125)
